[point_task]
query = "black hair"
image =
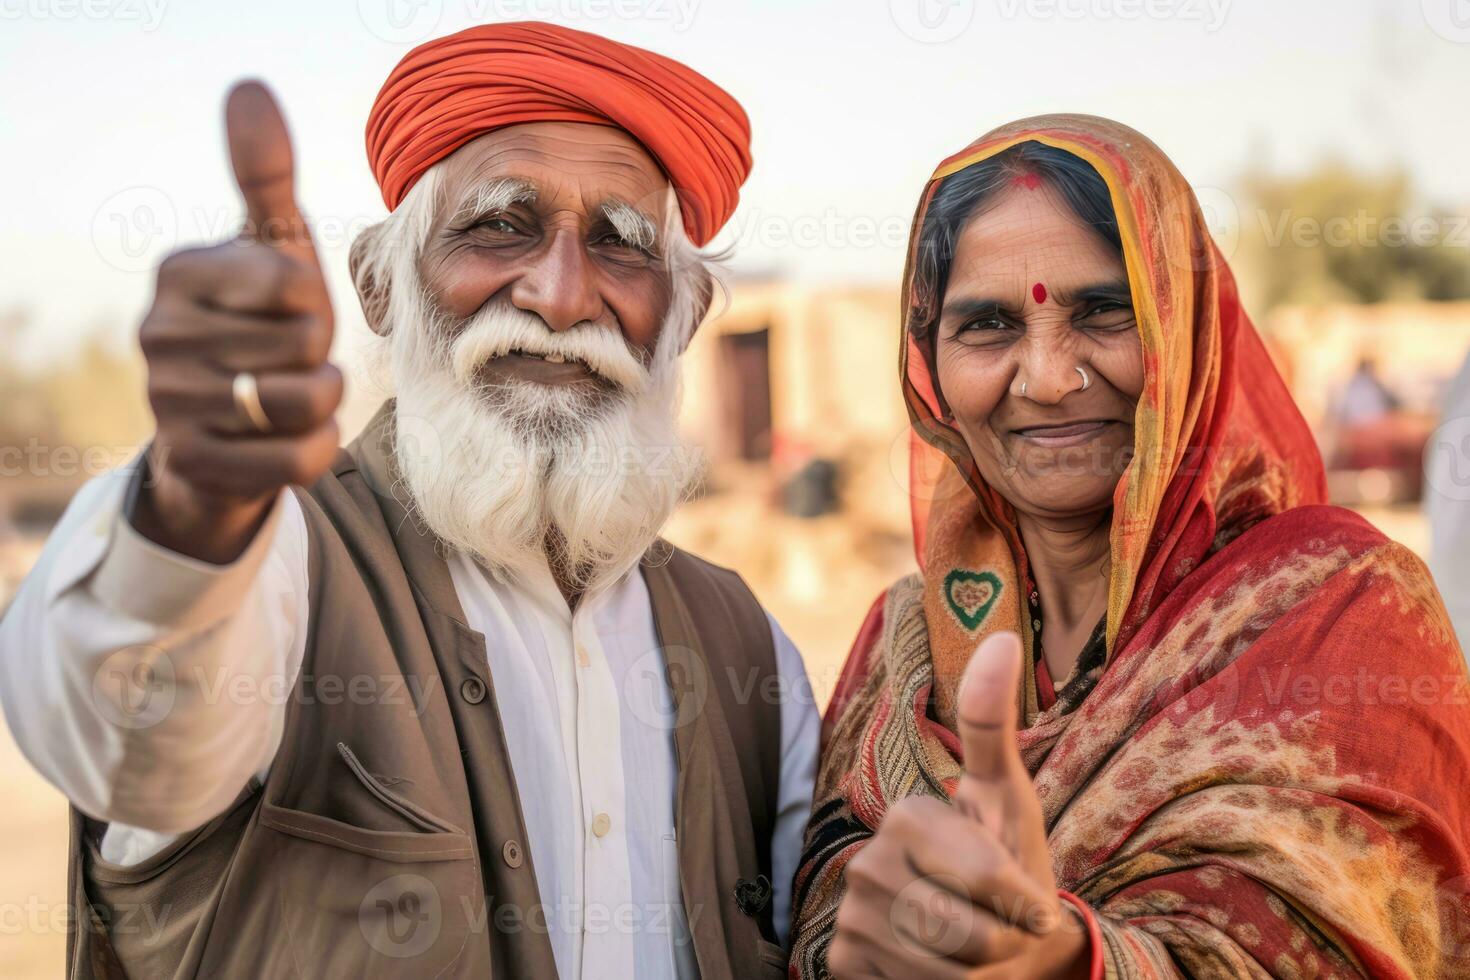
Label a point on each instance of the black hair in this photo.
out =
(961, 196)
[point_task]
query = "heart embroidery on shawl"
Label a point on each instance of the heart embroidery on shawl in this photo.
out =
(970, 595)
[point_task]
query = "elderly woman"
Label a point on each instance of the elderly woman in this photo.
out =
(1209, 725)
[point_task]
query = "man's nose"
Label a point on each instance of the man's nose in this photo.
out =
(559, 285)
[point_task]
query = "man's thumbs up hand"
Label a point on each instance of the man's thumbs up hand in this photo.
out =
(265, 173)
(965, 890)
(236, 343)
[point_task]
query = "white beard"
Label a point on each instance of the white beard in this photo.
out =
(493, 471)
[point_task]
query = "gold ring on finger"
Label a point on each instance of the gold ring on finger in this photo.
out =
(247, 402)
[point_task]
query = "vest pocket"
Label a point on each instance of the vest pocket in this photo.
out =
(374, 903)
(388, 845)
(405, 807)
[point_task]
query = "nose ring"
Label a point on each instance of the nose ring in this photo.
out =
(1023, 389)
(1086, 381)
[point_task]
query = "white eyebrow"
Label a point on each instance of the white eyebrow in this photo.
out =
(635, 227)
(494, 196)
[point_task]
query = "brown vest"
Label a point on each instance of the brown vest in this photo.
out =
(388, 840)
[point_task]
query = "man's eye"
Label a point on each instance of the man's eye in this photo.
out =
(614, 240)
(499, 225)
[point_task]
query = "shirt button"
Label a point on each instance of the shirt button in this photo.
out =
(1036, 624)
(512, 853)
(582, 659)
(472, 690)
(601, 824)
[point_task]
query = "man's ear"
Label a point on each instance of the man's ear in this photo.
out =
(371, 292)
(704, 292)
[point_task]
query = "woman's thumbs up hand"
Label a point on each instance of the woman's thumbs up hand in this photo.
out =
(963, 890)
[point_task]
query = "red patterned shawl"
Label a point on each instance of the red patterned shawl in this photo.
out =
(1271, 774)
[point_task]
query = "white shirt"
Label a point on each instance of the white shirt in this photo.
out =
(581, 696)
(1447, 504)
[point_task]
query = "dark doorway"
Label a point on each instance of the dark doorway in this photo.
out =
(746, 393)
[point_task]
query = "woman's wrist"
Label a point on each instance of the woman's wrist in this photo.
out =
(1079, 942)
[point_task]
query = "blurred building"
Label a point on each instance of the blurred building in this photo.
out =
(1418, 347)
(792, 393)
(786, 372)
(1413, 349)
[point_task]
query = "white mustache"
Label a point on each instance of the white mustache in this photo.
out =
(502, 329)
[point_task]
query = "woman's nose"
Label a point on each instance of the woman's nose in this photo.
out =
(1048, 369)
(559, 285)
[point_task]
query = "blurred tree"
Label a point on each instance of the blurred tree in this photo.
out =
(1338, 235)
(64, 419)
(21, 413)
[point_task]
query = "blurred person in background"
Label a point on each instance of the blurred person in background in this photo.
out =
(1368, 427)
(1365, 398)
(1447, 502)
(1151, 707)
(440, 704)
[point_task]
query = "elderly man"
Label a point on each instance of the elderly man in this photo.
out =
(440, 704)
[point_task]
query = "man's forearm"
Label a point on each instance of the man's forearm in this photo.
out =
(146, 686)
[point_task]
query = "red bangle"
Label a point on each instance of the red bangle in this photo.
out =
(1094, 933)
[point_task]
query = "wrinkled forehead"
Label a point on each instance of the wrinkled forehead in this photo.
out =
(578, 168)
(1028, 233)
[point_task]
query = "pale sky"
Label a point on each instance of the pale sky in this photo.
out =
(112, 137)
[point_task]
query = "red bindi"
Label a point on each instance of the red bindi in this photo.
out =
(1038, 293)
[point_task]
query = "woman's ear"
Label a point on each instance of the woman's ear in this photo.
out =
(372, 292)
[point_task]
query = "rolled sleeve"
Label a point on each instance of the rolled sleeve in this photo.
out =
(119, 661)
(144, 581)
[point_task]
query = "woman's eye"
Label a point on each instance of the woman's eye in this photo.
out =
(981, 324)
(1108, 313)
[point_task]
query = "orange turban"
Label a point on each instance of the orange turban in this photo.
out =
(447, 91)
